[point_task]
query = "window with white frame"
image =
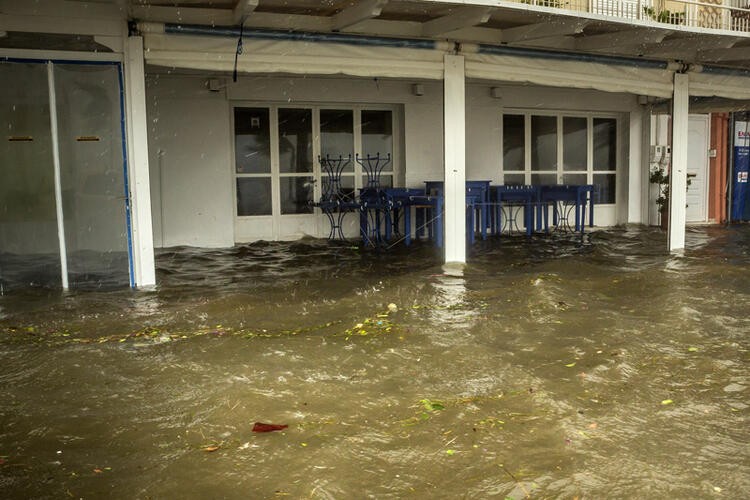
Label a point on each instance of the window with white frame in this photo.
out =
(561, 149)
(276, 148)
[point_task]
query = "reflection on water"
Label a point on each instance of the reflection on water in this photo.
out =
(546, 368)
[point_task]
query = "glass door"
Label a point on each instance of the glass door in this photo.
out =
(29, 246)
(91, 174)
(63, 196)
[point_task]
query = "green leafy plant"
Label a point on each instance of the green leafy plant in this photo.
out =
(661, 177)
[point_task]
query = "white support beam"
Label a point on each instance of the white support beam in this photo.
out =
(138, 171)
(635, 181)
(605, 41)
(543, 30)
(722, 55)
(460, 18)
(358, 12)
(454, 143)
(242, 9)
(678, 170)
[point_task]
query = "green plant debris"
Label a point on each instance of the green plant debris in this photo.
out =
(692, 349)
(431, 406)
(570, 365)
(667, 402)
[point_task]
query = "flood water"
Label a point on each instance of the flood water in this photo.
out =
(548, 368)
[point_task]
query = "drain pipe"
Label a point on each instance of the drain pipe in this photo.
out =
(300, 36)
(502, 50)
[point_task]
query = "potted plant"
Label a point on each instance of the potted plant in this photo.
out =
(659, 176)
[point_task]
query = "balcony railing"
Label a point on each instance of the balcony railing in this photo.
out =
(730, 15)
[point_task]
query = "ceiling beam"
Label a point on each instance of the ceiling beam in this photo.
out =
(361, 11)
(605, 41)
(682, 48)
(187, 15)
(464, 17)
(242, 9)
(543, 30)
(723, 55)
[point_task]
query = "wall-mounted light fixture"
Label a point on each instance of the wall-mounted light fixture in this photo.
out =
(215, 84)
(417, 89)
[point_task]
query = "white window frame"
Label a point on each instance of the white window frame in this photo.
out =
(276, 174)
(559, 172)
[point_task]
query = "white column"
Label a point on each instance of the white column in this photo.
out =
(140, 187)
(454, 143)
(678, 172)
(635, 181)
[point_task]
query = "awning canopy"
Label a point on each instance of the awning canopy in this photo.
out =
(292, 57)
(302, 57)
(570, 73)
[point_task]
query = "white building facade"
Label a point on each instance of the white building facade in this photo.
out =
(174, 125)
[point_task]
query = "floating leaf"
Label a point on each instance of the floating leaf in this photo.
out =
(450, 452)
(432, 405)
(667, 402)
(692, 349)
(211, 448)
(98, 470)
(571, 365)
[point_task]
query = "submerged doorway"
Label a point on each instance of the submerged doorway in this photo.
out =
(64, 217)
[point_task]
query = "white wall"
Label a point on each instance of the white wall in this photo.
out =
(190, 163)
(190, 139)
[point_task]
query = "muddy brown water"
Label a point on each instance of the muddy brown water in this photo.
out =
(548, 368)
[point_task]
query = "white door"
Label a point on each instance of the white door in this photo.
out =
(698, 144)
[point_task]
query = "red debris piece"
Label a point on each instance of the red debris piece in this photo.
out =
(261, 427)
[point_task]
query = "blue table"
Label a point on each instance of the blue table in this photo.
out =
(477, 200)
(565, 198)
(404, 199)
(520, 197)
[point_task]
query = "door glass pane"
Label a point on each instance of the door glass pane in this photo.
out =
(574, 143)
(607, 187)
(296, 195)
(513, 142)
(543, 179)
(295, 140)
(514, 179)
(337, 134)
(346, 191)
(377, 134)
(386, 181)
(605, 144)
(92, 174)
(253, 196)
(29, 248)
(543, 143)
(575, 179)
(252, 141)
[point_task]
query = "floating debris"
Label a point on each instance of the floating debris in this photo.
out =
(261, 427)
